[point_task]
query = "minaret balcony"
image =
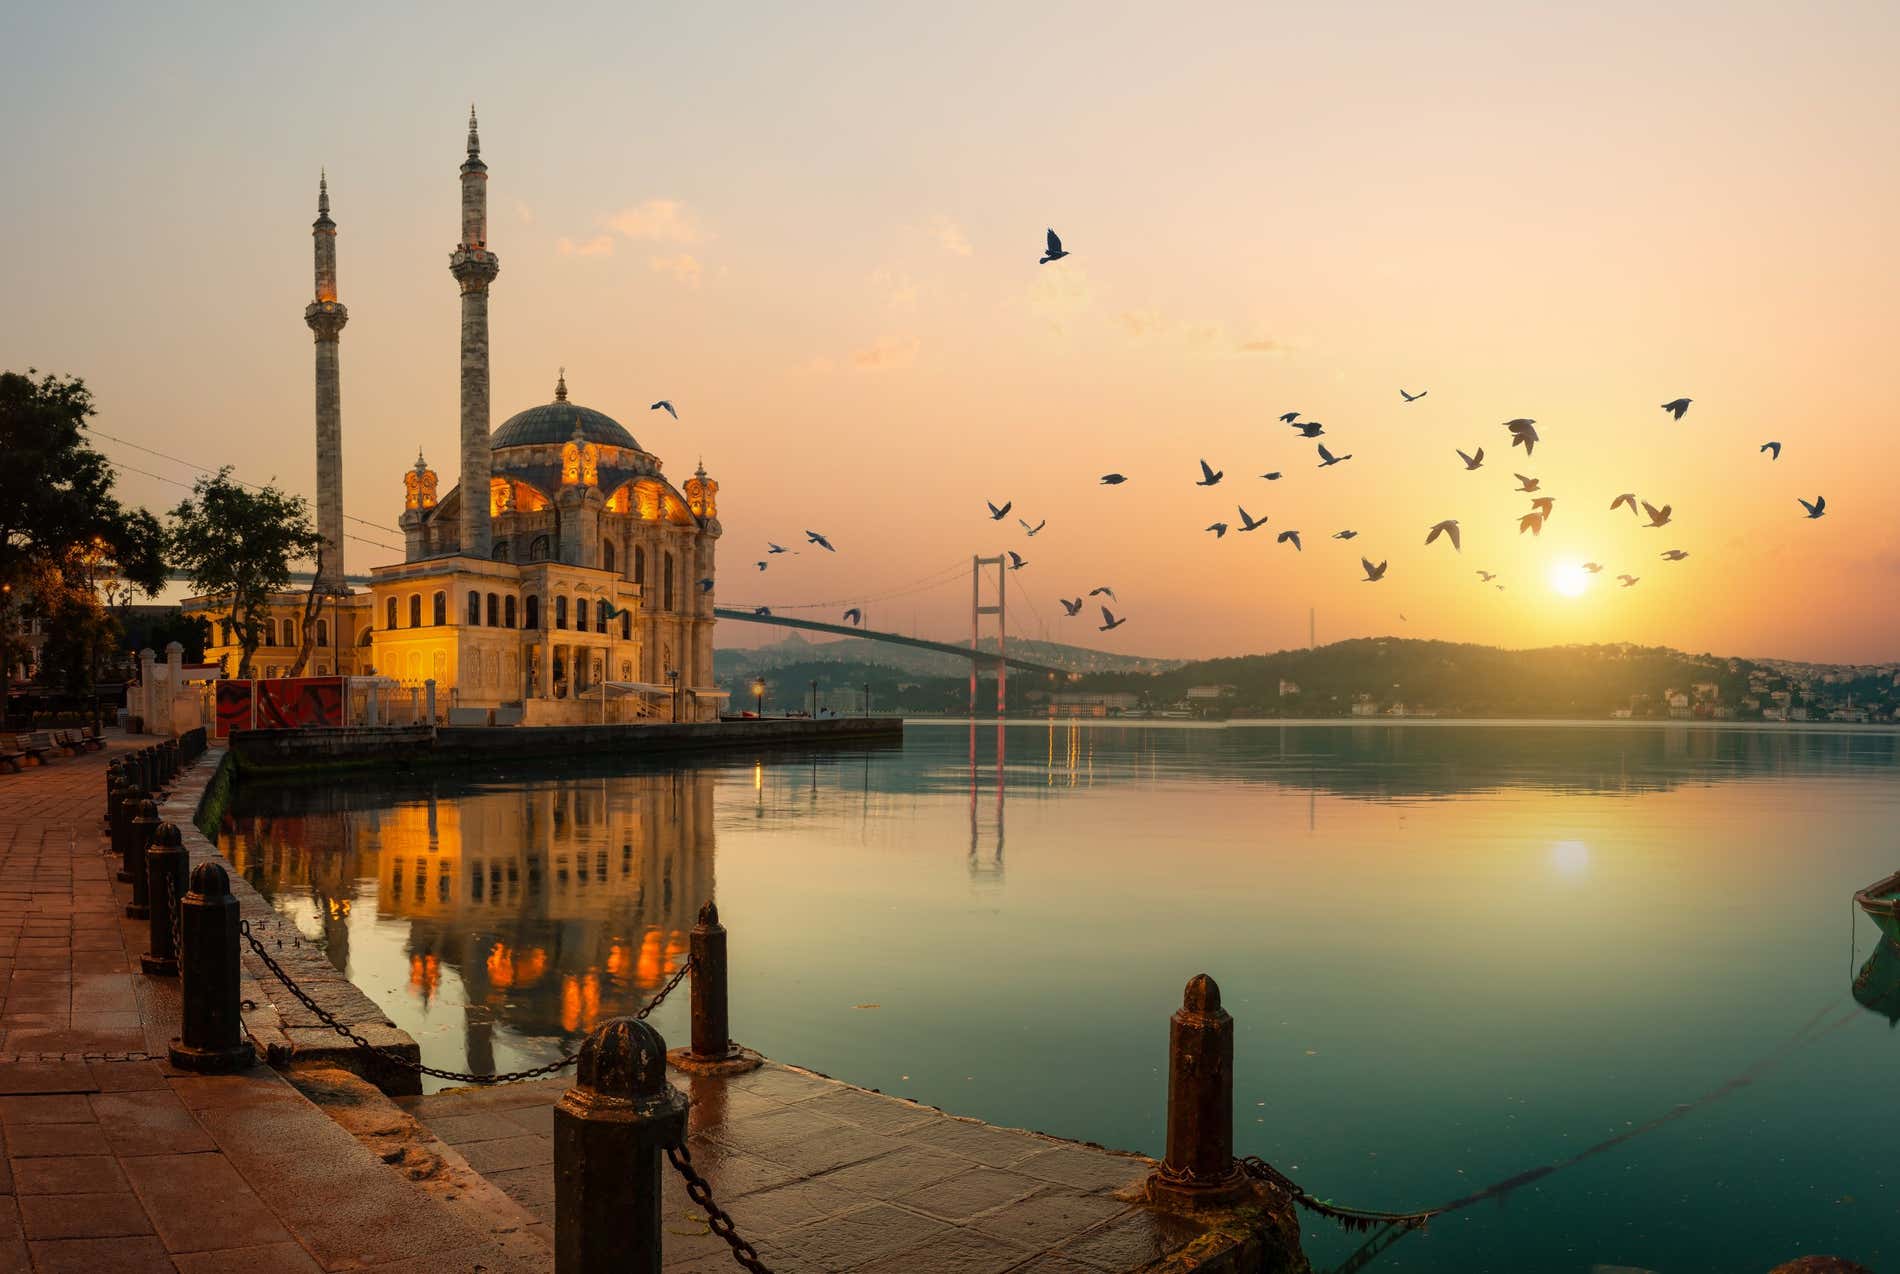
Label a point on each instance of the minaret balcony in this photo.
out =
(474, 268)
(326, 318)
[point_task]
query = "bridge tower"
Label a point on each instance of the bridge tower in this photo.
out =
(977, 611)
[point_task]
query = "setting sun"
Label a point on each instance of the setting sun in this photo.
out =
(1569, 579)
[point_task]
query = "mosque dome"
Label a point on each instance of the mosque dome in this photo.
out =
(555, 422)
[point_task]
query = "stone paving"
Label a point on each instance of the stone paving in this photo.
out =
(115, 1161)
(823, 1176)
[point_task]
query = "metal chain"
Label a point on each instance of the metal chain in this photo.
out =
(178, 918)
(1351, 1218)
(396, 1059)
(700, 1191)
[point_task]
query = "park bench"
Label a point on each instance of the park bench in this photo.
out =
(11, 756)
(68, 742)
(89, 739)
(34, 746)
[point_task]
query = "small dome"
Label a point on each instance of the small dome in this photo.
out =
(554, 423)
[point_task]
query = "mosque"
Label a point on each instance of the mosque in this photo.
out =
(584, 576)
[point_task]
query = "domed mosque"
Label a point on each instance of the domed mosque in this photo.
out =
(581, 592)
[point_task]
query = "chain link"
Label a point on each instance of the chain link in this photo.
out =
(177, 916)
(396, 1059)
(700, 1191)
(1351, 1218)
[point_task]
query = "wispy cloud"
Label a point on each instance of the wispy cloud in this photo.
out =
(950, 237)
(658, 221)
(684, 268)
(1265, 345)
(886, 354)
(600, 245)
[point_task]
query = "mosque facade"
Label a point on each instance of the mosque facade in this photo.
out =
(562, 570)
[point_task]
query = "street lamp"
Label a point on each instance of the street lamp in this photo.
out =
(758, 692)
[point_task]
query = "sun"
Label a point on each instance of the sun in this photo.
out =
(1569, 579)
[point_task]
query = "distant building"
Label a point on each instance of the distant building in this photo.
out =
(1092, 703)
(1288, 688)
(1365, 707)
(1707, 690)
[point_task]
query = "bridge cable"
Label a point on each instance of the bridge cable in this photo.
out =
(147, 473)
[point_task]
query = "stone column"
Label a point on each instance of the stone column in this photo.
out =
(326, 317)
(474, 268)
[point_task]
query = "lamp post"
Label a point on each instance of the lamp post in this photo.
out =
(814, 698)
(673, 680)
(758, 693)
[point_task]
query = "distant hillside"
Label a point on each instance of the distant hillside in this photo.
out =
(798, 649)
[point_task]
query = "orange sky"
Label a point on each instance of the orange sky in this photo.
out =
(817, 234)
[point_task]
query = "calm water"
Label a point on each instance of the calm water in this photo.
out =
(1454, 952)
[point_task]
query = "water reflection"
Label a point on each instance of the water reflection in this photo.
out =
(1877, 985)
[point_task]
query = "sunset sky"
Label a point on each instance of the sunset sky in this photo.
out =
(815, 229)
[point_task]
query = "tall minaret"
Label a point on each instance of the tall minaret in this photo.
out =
(474, 267)
(326, 317)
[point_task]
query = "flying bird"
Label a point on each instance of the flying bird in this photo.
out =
(1109, 622)
(1629, 498)
(1522, 433)
(1033, 529)
(1310, 429)
(1816, 509)
(1593, 567)
(1471, 462)
(1327, 459)
(667, 405)
(1678, 405)
(1485, 577)
(762, 563)
(854, 616)
(1532, 522)
(1290, 417)
(1113, 479)
(1657, 517)
(1525, 484)
(1071, 607)
(705, 586)
(1017, 561)
(1774, 447)
(1209, 475)
(1543, 504)
(1344, 535)
(1412, 398)
(812, 537)
(775, 548)
(1628, 580)
(1052, 250)
(1449, 529)
(1272, 477)
(1293, 536)
(1675, 555)
(1219, 529)
(1249, 523)
(996, 514)
(1103, 592)
(1373, 573)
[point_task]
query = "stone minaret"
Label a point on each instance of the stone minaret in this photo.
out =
(474, 267)
(326, 317)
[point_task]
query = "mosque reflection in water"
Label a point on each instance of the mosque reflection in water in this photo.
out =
(536, 910)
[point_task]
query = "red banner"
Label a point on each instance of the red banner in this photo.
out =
(297, 702)
(234, 707)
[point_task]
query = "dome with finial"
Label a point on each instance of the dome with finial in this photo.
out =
(561, 421)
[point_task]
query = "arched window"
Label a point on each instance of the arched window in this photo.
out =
(607, 555)
(666, 582)
(290, 632)
(415, 611)
(474, 608)
(323, 632)
(389, 618)
(538, 549)
(639, 565)
(508, 611)
(626, 625)
(531, 611)
(601, 609)
(224, 626)
(580, 614)
(560, 611)
(494, 610)
(440, 611)
(501, 550)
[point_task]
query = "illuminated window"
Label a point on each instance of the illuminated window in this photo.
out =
(441, 609)
(290, 632)
(389, 620)
(600, 614)
(323, 632)
(560, 611)
(580, 614)
(415, 610)
(508, 611)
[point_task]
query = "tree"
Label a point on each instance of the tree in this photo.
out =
(236, 546)
(62, 532)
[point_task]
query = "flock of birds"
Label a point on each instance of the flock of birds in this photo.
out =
(1522, 432)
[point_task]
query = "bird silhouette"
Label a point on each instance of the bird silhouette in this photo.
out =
(1293, 536)
(1052, 250)
(1327, 459)
(996, 514)
(1017, 561)
(1657, 517)
(1523, 434)
(1629, 580)
(775, 548)
(1678, 405)
(1485, 577)
(1344, 535)
(1103, 592)
(1524, 483)
(1373, 573)
(1310, 429)
(761, 610)
(1210, 475)
(1675, 555)
(667, 406)
(854, 616)
(1249, 523)
(1412, 398)
(705, 586)
(812, 537)
(1774, 447)
(1109, 622)
(1471, 462)
(1593, 567)
(1033, 529)
(1449, 529)
(762, 564)
(1629, 498)
(1290, 417)
(1113, 479)
(1816, 509)
(1532, 522)
(1272, 477)
(1071, 607)
(1543, 505)
(1219, 529)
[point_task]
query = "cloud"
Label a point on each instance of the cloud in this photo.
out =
(886, 354)
(684, 268)
(1265, 345)
(950, 237)
(600, 245)
(657, 220)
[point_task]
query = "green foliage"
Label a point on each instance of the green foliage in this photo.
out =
(157, 631)
(237, 545)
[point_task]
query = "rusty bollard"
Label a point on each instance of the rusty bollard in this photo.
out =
(712, 1051)
(167, 866)
(138, 840)
(167, 763)
(211, 1037)
(115, 782)
(610, 1131)
(114, 771)
(1199, 1170)
(130, 798)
